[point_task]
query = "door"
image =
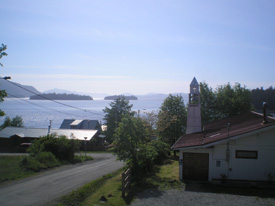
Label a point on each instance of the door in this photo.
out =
(195, 166)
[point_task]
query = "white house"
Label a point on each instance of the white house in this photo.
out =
(235, 148)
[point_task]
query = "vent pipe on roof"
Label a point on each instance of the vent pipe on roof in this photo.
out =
(265, 112)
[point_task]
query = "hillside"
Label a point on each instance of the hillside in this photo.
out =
(17, 90)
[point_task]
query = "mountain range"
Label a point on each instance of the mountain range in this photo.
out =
(16, 90)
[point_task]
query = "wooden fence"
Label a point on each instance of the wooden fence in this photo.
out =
(126, 181)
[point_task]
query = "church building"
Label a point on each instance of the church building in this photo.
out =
(237, 148)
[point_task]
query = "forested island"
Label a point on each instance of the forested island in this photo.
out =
(114, 97)
(54, 96)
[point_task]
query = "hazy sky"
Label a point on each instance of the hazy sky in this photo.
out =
(138, 46)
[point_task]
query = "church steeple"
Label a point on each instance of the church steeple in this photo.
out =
(194, 95)
(194, 108)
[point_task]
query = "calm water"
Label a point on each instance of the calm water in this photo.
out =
(38, 113)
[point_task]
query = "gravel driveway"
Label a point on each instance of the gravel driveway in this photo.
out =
(194, 194)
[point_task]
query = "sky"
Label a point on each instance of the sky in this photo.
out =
(138, 46)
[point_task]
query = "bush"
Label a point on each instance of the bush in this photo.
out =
(43, 160)
(162, 149)
(30, 163)
(48, 159)
(61, 147)
(145, 161)
(154, 152)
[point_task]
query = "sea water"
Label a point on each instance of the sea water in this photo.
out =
(38, 113)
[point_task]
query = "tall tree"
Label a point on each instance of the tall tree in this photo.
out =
(224, 101)
(14, 122)
(132, 145)
(209, 111)
(172, 119)
(233, 100)
(260, 95)
(150, 122)
(113, 115)
(130, 136)
(3, 93)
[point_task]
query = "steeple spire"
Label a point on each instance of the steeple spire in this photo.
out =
(194, 108)
(194, 82)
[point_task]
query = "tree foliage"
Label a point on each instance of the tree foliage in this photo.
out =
(172, 119)
(223, 102)
(2, 52)
(60, 146)
(260, 95)
(133, 145)
(113, 115)
(14, 122)
(209, 111)
(2, 92)
(150, 122)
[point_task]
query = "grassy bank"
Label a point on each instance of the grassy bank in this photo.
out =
(11, 167)
(164, 177)
(11, 170)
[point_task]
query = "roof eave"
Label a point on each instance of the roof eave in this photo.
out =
(225, 140)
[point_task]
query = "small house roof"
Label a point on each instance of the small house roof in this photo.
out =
(36, 132)
(224, 129)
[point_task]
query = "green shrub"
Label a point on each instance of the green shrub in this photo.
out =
(48, 159)
(154, 152)
(30, 163)
(62, 148)
(162, 149)
(43, 160)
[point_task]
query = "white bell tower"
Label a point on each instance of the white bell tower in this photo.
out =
(194, 109)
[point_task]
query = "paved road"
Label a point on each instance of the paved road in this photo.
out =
(49, 185)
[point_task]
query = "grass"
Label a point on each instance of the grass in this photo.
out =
(11, 170)
(81, 158)
(76, 197)
(164, 177)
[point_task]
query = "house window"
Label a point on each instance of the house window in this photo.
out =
(246, 154)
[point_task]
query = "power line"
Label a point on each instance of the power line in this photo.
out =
(84, 110)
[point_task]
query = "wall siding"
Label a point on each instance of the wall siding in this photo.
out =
(260, 169)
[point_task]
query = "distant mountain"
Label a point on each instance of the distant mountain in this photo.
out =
(58, 91)
(152, 96)
(17, 90)
(114, 97)
(160, 96)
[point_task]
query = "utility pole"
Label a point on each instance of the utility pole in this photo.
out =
(50, 126)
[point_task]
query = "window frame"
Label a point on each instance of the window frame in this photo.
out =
(254, 156)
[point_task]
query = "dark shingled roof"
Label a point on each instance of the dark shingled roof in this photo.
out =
(218, 130)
